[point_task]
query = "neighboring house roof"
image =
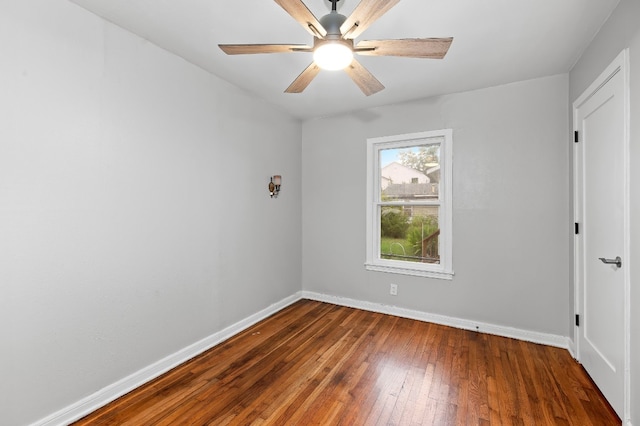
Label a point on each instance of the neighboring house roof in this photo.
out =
(434, 173)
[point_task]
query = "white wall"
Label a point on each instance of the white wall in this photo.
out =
(134, 213)
(511, 236)
(622, 30)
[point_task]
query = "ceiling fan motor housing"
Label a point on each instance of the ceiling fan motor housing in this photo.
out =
(332, 23)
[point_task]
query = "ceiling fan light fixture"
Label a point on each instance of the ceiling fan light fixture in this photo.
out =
(333, 55)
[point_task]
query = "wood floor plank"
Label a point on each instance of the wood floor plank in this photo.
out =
(319, 364)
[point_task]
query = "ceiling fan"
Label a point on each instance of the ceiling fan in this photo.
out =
(333, 43)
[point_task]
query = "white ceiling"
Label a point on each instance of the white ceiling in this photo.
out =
(495, 42)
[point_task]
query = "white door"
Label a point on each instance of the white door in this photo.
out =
(601, 205)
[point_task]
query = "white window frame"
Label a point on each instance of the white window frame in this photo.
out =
(443, 270)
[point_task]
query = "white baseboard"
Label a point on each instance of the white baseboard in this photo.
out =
(572, 348)
(498, 330)
(112, 392)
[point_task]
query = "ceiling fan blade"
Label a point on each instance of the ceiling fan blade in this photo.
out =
(242, 49)
(434, 48)
(365, 14)
(363, 78)
(303, 15)
(303, 80)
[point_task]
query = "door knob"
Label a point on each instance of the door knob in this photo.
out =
(617, 261)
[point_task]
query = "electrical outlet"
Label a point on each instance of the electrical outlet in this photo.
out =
(393, 289)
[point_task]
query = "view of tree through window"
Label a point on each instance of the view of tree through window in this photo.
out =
(410, 203)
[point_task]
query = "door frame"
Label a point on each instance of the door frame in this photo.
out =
(619, 65)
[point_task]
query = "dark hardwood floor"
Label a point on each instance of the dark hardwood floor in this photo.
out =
(319, 364)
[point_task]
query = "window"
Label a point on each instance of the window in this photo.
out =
(409, 226)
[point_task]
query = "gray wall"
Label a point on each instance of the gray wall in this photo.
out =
(622, 30)
(510, 205)
(134, 213)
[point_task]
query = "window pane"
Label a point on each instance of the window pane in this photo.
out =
(410, 233)
(410, 174)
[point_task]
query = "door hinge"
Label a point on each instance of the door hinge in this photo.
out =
(575, 137)
(577, 228)
(577, 320)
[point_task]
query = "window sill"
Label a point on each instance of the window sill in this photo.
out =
(441, 275)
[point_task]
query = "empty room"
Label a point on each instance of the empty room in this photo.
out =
(331, 212)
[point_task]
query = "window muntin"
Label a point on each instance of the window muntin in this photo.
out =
(409, 204)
